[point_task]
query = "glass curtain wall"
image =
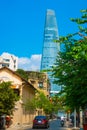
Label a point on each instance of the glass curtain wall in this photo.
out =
(50, 48)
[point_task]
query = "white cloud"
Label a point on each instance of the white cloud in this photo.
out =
(32, 63)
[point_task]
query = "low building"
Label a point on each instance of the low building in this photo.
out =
(40, 81)
(25, 90)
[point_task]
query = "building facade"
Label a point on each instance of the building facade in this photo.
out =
(8, 60)
(37, 81)
(50, 47)
(25, 90)
(40, 81)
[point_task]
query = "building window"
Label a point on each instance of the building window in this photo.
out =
(7, 60)
(32, 81)
(14, 66)
(40, 84)
(14, 61)
(16, 91)
(5, 65)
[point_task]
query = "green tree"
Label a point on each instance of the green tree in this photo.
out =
(70, 69)
(40, 101)
(7, 98)
(22, 73)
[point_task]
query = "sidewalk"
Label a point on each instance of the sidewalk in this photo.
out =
(19, 127)
(69, 125)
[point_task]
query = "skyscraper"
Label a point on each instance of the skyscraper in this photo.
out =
(50, 48)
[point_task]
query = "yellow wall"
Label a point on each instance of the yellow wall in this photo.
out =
(20, 116)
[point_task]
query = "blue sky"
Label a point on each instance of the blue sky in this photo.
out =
(22, 26)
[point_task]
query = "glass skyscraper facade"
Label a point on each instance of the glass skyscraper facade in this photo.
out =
(50, 48)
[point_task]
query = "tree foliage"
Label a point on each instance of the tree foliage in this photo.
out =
(7, 98)
(70, 70)
(40, 101)
(22, 73)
